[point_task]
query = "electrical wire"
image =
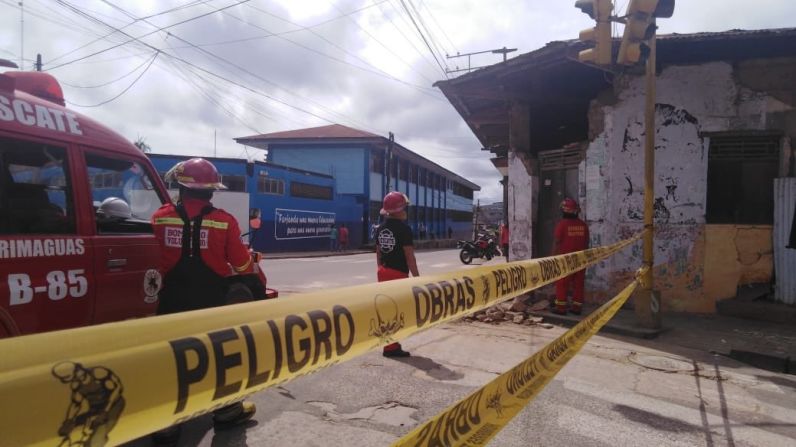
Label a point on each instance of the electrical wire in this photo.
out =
(92, 18)
(444, 72)
(430, 34)
(109, 82)
(126, 26)
(434, 19)
(375, 70)
(374, 38)
(123, 91)
(204, 70)
(423, 55)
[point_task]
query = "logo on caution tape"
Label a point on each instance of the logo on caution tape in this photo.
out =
(388, 320)
(96, 402)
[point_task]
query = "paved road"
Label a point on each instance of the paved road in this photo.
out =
(616, 392)
(298, 275)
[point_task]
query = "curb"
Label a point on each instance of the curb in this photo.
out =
(610, 327)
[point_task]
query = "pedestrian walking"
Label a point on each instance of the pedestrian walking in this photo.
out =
(333, 238)
(343, 237)
(571, 234)
(200, 245)
(395, 251)
(422, 230)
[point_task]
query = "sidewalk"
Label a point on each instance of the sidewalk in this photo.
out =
(766, 345)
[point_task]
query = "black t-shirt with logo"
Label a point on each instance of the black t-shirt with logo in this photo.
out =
(391, 238)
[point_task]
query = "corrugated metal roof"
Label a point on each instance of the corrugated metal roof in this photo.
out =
(330, 131)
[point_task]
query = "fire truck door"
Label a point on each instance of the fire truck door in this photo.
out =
(45, 265)
(125, 249)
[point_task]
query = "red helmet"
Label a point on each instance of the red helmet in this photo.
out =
(196, 173)
(394, 202)
(570, 206)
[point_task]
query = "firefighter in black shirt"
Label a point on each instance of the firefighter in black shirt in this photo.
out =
(395, 251)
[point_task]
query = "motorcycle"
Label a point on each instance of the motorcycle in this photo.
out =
(483, 247)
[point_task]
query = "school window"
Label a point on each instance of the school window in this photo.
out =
(376, 162)
(404, 174)
(235, 183)
(741, 171)
(460, 216)
(267, 185)
(462, 191)
(35, 189)
(308, 191)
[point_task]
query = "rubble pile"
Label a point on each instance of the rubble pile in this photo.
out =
(515, 311)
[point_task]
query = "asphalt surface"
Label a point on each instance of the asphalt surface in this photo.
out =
(616, 392)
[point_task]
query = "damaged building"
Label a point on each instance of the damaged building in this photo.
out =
(724, 158)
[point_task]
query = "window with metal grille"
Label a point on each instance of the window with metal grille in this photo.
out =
(558, 159)
(267, 185)
(306, 190)
(741, 172)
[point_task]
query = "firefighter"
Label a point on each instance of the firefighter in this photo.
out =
(200, 246)
(571, 234)
(395, 251)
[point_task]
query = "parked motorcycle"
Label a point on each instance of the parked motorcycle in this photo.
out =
(483, 247)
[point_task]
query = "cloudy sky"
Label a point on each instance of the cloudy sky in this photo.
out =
(185, 74)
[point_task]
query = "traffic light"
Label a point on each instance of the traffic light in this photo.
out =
(599, 10)
(640, 27)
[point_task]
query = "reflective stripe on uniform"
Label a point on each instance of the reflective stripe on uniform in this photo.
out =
(561, 303)
(205, 223)
(244, 267)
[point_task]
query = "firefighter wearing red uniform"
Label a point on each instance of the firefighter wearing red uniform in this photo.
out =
(395, 251)
(571, 234)
(200, 247)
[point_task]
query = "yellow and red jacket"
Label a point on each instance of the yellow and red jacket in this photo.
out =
(220, 242)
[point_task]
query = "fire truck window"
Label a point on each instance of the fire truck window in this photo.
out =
(122, 195)
(35, 191)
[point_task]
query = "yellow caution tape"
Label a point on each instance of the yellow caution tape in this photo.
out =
(474, 420)
(116, 382)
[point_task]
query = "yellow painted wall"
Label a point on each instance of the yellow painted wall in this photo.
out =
(736, 255)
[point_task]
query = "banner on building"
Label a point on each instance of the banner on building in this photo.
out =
(302, 224)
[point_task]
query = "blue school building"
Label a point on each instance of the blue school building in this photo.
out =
(335, 175)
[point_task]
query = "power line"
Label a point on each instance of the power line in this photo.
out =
(126, 26)
(383, 45)
(424, 39)
(431, 36)
(213, 74)
(378, 71)
(123, 91)
(434, 19)
(94, 19)
(423, 55)
(109, 82)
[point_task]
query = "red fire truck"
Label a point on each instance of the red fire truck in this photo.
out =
(76, 245)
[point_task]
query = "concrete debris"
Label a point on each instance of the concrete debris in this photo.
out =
(547, 325)
(540, 306)
(506, 312)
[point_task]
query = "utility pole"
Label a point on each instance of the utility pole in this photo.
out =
(388, 162)
(638, 42)
(477, 212)
(38, 62)
(215, 143)
(648, 303)
(504, 51)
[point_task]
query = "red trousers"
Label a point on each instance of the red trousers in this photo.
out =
(388, 274)
(562, 287)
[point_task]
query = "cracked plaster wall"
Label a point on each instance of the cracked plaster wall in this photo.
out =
(523, 192)
(691, 270)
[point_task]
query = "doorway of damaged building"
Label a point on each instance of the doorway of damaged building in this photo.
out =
(558, 179)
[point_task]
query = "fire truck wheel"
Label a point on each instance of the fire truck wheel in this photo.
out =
(239, 293)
